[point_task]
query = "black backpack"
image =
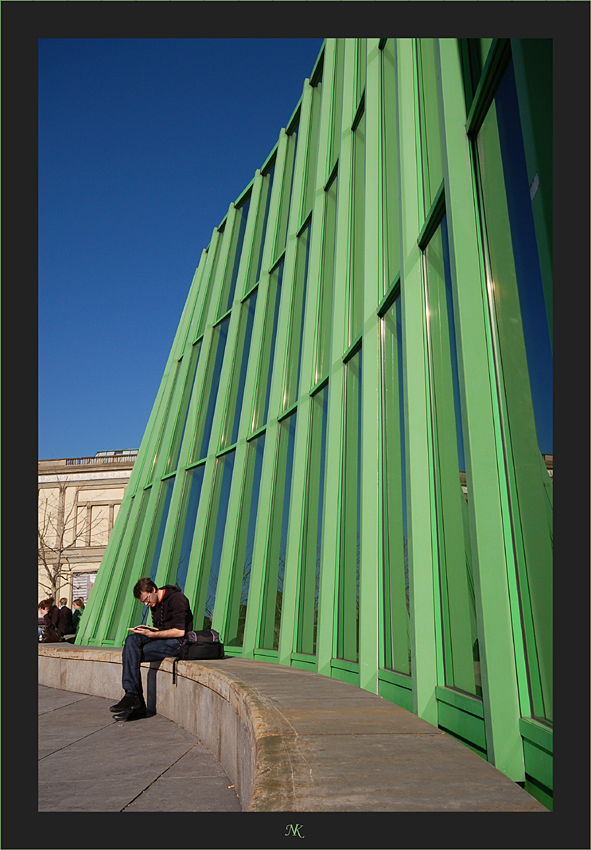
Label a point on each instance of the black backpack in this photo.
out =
(195, 646)
(204, 644)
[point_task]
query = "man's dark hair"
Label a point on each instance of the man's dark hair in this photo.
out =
(144, 585)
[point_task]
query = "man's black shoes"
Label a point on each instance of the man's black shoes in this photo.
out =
(129, 701)
(131, 707)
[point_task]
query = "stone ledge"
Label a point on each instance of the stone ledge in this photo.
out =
(292, 740)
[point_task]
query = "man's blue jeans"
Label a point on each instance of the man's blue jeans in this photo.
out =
(138, 648)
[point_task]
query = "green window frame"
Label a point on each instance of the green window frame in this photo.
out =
(210, 561)
(347, 620)
(228, 287)
(185, 527)
(521, 354)
(395, 610)
(272, 596)
(235, 398)
(454, 559)
(242, 563)
(202, 435)
(183, 411)
(309, 578)
(296, 323)
(357, 232)
(267, 350)
(325, 298)
(388, 140)
(429, 119)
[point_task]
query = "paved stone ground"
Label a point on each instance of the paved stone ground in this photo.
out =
(90, 763)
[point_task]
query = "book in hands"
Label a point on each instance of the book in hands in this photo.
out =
(148, 628)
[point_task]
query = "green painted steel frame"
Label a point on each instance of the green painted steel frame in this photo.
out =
(371, 207)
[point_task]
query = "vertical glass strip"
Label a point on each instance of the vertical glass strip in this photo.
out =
(263, 230)
(296, 329)
(430, 124)
(159, 527)
(396, 613)
(210, 390)
(357, 234)
(238, 379)
(186, 525)
(389, 170)
(460, 636)
(523, 363)
(183, 413)
(326, 283)
(212, 554)
(312, 544)
(348, 583)
(276, 551)
(212, 271)
(229, 287)
(238, 602)
(268, 349)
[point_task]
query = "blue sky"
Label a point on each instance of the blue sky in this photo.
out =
(143, 144)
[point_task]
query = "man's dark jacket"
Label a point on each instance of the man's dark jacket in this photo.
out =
(65, 621)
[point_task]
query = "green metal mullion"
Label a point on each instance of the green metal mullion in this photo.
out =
(419, 473)
(497, 604)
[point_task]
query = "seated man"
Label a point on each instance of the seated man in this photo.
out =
(171, 615)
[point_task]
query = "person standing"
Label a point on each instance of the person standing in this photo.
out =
(65, 618)
(172, 618)
(78, 607)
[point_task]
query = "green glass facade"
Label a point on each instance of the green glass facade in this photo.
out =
(348, 464)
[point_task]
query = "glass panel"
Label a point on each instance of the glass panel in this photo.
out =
(296, 330)
(183, 413)
(159, 527)
(311, 549)
(236, 616)
(212, 555)
(210, 390)
(233, 262)
(312, 152)
(357, 235)
(238, 379)
(389, 183)
(186, 525)
(396, 611)
(285, 200)
(273, 588)
(524, 365)
(430, 127)
(348, 586)
(326, 283)
(262, 222)
(460, 637)
(337, 104)
(360, 67)
(268, 349)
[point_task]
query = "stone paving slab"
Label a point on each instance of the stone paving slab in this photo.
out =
(89, 762)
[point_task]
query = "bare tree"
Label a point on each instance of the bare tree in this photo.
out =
(61, 528)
